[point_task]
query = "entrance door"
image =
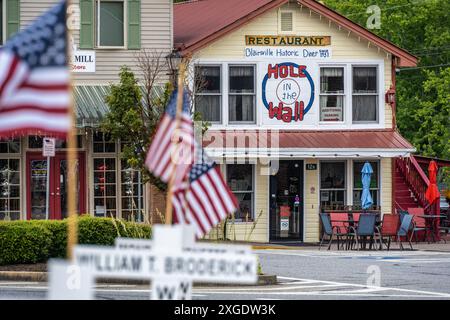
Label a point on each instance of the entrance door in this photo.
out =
(286, 201)
(57, 189)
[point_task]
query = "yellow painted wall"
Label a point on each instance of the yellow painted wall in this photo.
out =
(242, 231)
(343, 45)
(386, 185)
(311, 206)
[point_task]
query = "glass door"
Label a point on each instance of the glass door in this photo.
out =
(286, 201)
(38, 191)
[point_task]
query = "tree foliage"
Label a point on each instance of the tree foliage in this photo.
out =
(421, 27)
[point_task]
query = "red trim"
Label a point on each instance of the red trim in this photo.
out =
(54, 208)
(229, 28)
(406, 59)
(32, 131)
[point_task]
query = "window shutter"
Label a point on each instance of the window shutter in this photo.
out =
(86, 24)
(134, 24)
(286, 23)
(12, 17)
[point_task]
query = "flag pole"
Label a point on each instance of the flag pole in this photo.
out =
(180, 86)
(72, 225)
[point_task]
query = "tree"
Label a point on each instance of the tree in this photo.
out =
(422, 28)
(135, 109)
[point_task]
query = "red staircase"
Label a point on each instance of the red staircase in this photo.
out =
(411, 183)
(404, 198)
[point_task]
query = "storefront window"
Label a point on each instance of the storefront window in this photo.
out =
(9, 189)
(10, 146)
(37, 142)
(357, 183)
(208, 95)
(241, 94)
(105, 187)
(331, 94)
(365, 94)
(132, 193)
(240, 180)
(332, 184)
(103, 143)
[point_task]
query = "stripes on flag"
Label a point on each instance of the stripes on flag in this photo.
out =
(165, 156)
(34, 78)
(204, 199)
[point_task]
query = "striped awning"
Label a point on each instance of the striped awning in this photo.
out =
(90, 105)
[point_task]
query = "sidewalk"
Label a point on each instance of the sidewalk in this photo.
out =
(422, 246)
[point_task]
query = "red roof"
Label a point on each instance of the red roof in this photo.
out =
(198, 23)
(349, 139)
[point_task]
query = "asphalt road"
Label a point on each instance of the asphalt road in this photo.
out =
(308, 274)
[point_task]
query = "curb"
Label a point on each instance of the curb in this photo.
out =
(33, 276)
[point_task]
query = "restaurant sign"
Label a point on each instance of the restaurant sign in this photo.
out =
(295, 41)
(288, 92)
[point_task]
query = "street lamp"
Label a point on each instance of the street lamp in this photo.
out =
(173, 61)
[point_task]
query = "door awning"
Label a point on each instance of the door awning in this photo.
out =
(90, 105)
(290, 143)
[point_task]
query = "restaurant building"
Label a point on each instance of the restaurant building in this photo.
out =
(298, 98)
(106, 36)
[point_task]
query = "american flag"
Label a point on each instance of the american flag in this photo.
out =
(34, 78)
(165, 156)
(203, 199)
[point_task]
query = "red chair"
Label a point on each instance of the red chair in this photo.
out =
(389, 228)
(420, 224)
(339, 222)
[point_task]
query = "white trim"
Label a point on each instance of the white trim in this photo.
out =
(294, 19)
(318, 125)
(308, 152)
(97, 24)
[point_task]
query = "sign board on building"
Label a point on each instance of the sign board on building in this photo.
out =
(288, 40)
(83, 61)
(48, 147)
(311, 166)
(310, 53)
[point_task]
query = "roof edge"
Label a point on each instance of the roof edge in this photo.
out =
(405, 59)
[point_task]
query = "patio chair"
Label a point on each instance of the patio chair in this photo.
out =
(340, 221)
(419, 223)
(365, 229)
(402, 213)
(404, 229)
(389, 229)
(329, 230)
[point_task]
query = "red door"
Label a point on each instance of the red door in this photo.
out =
(57, 189)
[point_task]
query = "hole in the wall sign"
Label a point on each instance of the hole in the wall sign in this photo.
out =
(287, 91)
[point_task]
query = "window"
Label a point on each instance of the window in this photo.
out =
(110, 23)
(36, 142)
(240, 180)
(286, 21)
(132, 194)
(357, 183)
(365, 94)
(331, 94)
(9, 189)
(10, 146)
(332, 184)
(242, 94)
(208, 97)
(105, 187)
(103, 143)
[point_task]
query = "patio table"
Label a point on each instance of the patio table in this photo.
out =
(432, 220)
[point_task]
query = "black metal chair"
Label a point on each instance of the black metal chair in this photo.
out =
(365, 229)
(329, 230)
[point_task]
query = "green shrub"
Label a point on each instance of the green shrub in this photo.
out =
(49, 237)
(24, 243)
